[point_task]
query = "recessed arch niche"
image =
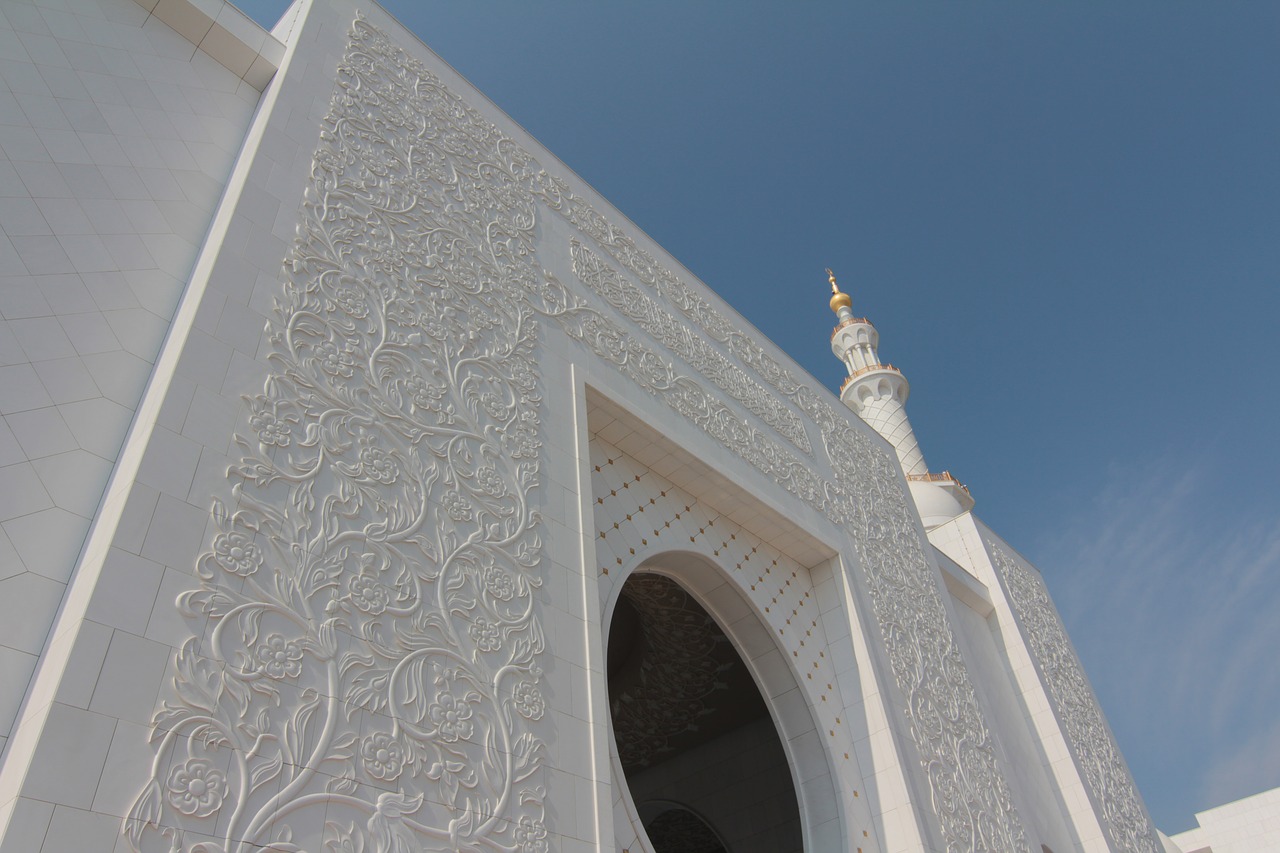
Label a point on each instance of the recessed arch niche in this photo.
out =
(699, 727)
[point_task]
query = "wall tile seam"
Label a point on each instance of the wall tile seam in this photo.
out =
(221, 43)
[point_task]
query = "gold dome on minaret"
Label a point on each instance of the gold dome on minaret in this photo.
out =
(838, 300)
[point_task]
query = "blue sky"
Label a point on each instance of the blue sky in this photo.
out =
(1064, 219)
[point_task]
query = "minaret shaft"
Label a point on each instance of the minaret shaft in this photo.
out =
(877, 393)
(888, 417)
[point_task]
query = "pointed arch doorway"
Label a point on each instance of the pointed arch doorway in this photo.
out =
(705, 767)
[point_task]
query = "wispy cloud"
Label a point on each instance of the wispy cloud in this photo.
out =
(1171, 592)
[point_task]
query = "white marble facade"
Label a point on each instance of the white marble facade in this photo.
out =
(320, 381)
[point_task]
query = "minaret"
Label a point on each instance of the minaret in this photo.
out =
(877, 393)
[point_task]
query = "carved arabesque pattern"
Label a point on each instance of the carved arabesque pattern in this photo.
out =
(969, 793)
(676, 336)
(371, 659)
(654, 372)
(1087, 732)
(378, 566)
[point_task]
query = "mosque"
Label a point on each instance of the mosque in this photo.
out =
(371, 485)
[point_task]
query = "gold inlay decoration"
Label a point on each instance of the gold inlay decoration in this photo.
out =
(838, 300)
(944, 477)
(850, 322)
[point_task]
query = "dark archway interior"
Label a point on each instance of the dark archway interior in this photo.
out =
(678, 830)
(692, 729)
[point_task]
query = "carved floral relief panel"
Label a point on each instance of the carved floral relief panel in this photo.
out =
(1088, 735)
(372, 664)
(373, 647)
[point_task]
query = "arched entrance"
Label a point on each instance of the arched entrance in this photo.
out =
(705, 766)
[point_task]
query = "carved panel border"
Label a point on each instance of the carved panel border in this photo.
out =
(664, 328)
(1087, 732)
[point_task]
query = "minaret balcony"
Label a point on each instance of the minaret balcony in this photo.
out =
(938, 497)
(852, 321)
(944, 477)
(863, 371)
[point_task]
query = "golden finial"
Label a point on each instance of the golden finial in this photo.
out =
(838, 300)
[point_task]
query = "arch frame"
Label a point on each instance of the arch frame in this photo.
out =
(813, 774)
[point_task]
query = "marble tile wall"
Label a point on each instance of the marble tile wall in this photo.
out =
(116, 140)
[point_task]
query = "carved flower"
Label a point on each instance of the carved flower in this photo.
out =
(197, 788)
(383, 756)
(329, 160)
(521, 439)
(522, 376)
(391, 259)
(530, 835)
(495, 406)
(351, 302)
(451, 718)
(272, 430)
(486, 634)
(334, 361)
(378, 465)
(236, 553)
(490, 482)
(368, 595)
(279, 658)
(499, 584)
(424, 394)
(528, 700)
(458, 507)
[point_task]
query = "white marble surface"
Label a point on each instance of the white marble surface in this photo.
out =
(185, 256)
(117, 140)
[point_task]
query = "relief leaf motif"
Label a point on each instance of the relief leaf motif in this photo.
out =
(368, 593)
(367, 600)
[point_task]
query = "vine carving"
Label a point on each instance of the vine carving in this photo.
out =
(1090, 738)
(371, 646)
(371, 658)
(672, 333)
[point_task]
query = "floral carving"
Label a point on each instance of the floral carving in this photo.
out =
(672, 333)
(382, 523)
(528, 700)
(196, 787)
(236, 553)
(1088, 735)
(531, 836)
(279, 658)
(370, 662)
(383, 756)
